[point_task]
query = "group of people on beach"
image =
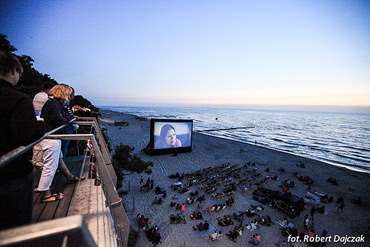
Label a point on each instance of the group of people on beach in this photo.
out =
(152, 233)
(206, 176)
(22, 123)
(149, 184)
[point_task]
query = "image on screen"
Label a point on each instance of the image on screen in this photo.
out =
(172, 135)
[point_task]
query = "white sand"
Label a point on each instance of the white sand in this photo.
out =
(211, 151)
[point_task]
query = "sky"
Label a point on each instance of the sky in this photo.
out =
(199, 52)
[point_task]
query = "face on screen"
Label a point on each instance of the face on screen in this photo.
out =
(171, 137)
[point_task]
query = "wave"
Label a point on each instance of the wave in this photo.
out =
(352, 158)
(276, 139)
(337, 138)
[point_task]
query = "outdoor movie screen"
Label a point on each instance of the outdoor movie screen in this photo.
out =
(170, 136)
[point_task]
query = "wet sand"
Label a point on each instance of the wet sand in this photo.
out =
(209, 151)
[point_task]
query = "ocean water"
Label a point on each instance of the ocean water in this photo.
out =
(341, 139)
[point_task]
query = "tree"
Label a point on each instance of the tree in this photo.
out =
(81, 101)
(123, 160)
(32, 80)
(5, 44)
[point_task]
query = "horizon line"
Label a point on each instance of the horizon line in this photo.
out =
(284, 107)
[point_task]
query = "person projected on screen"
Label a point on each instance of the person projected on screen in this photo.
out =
(167, 138)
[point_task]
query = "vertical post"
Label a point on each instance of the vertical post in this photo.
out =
(129, 186)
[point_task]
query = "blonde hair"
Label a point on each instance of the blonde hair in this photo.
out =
(61, 91)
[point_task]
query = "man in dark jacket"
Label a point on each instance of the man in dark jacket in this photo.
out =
(18, 127)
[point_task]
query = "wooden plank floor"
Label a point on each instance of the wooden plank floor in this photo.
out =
(59, 208)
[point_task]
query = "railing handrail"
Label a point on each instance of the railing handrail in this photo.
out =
(6, 158)
(103, 160)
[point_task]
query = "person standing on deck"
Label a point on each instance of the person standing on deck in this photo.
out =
(38, 102)
(55, 116)
(18, 127)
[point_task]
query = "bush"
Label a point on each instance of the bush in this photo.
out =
(123, 160)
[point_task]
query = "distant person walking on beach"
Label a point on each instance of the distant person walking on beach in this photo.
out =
(167, 138)
(306, 222)
(141, 184)
(313, 211)
(18, 127)
(341, 207)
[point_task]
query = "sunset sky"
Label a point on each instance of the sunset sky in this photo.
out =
(250, 52)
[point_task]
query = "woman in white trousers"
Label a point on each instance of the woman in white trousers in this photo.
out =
(54, 115)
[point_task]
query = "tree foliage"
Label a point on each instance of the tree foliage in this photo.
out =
(32, 80)
(81, 101)
(123, 160)
(5, 44)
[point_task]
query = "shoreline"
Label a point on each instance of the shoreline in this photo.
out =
(319, 157)
(345, 166)
(208, 151)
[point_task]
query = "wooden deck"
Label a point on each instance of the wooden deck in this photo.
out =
(59, 208)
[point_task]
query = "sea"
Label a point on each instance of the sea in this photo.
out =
(341, 139)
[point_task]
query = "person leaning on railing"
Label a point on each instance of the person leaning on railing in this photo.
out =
(18, 127)
(54, 115)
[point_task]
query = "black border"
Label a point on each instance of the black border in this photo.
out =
(169, 150)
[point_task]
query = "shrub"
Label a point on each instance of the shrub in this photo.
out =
(123, 160)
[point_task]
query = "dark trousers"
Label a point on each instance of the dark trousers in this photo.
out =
(16, 202)
(65, 143)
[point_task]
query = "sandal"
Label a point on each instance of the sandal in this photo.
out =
(52, 198)
(75, 179)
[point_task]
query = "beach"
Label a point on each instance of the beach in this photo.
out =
(209, 151)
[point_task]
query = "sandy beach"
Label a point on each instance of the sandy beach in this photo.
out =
(210, 151)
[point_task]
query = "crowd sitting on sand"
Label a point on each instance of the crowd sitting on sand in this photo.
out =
(220, 180)
(152, 233)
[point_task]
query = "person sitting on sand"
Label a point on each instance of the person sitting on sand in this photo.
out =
(250, 213)
(167, 138)
(206, 226)
(230, 201)
(196, 215)
(258, 238)
(219, 235)
(333, 181)
(213, 235)
(209, 209)
(324, 234)
(266, 221)
(225, 221)
(238, 216)
(252, 226)
(254, 240)
(285, 221)
(232, 235)
(283, 244)
(199, 227)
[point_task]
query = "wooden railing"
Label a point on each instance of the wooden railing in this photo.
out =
(97, 148)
